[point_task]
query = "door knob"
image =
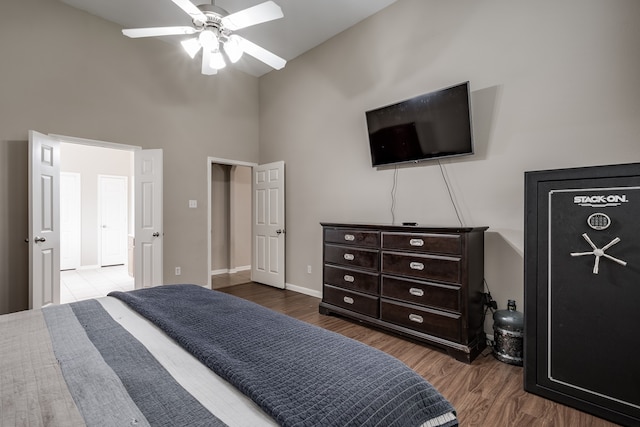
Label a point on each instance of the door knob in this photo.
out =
(279, 231)
(40, 239)
(156, 234)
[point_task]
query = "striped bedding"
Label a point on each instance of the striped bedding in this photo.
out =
(100, 363)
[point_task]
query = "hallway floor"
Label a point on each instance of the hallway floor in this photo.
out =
(77, 285)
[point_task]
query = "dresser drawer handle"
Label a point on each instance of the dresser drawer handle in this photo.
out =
(416, 292)
(416, 242)
(349, 278)
(349, 257)
(416, 266)
(348, 300)
(349, 237)
(416, 318)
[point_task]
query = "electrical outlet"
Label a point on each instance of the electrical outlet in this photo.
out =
(178, 271)
(308, 269)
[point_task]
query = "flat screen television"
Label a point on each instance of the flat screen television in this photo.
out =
(429, 126)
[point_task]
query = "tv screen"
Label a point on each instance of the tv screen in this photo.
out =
(429, 126)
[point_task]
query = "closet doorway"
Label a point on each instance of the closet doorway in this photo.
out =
(230, 222)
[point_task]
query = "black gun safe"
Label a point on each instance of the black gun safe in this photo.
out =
(582, 289)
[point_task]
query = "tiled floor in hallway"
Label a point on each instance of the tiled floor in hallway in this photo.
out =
(81, 284)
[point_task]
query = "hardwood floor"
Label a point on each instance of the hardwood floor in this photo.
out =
(485, 393)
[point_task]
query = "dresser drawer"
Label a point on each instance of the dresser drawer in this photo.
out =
(430, 267)
(423, 293)
(441, 324)
(355, 257)
(354, 301)
(346, 236)
(423, 242)
(362, 281)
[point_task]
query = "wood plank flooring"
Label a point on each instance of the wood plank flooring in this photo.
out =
(486, 393)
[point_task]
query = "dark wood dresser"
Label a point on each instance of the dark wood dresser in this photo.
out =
(425, 283)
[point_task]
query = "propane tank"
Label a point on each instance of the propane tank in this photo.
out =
(508, 332)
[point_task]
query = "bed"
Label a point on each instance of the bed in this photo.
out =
(183, 355)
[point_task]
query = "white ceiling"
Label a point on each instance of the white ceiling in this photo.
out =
(306, 23)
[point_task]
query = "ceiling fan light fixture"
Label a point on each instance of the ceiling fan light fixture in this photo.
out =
(209, 40)
(207, 69)
(217, 60)
(233, 49)
(192, 46)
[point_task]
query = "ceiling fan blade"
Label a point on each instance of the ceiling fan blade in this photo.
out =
(191, 9)
(207, 69)
(262, 54)
(157, 31)
(263, 12)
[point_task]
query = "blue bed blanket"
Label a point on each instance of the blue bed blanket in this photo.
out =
(300, 374)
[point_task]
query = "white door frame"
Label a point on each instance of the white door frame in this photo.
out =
(210, 162)
(94, 143)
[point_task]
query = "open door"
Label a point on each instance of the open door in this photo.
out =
(148, 218)
(268, 258)
(44, 220)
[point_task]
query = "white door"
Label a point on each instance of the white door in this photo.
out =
(148, 218)
(267, 264)
(70, 226)
(112, 200)
(44, 220)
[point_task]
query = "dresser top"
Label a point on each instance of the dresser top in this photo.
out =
(406, 228)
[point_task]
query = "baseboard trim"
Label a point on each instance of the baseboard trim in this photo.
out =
(230, 270)
(241, 268)
(301, 290)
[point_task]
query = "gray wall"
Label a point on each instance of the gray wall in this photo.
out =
(74, 74)
(554, 84)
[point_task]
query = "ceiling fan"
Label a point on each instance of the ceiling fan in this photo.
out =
(215, 28)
